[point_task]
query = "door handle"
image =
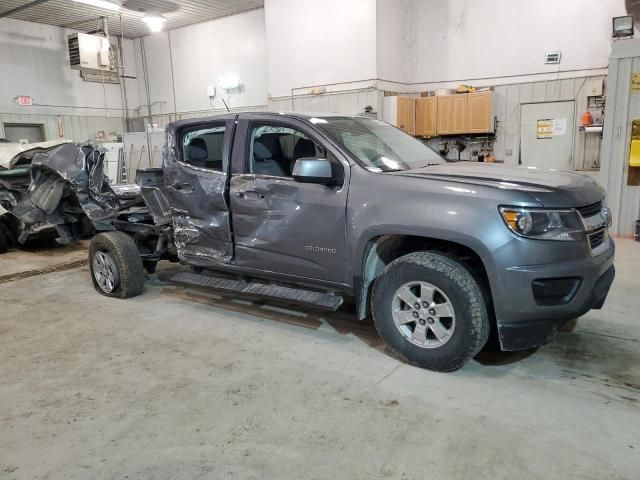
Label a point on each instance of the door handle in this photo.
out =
(249, 195)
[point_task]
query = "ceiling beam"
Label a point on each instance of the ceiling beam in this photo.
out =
(23, 7)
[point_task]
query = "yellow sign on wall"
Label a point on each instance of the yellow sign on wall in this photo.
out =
(635, 83)
(544, 128)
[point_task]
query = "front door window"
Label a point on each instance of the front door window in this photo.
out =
(273, 150)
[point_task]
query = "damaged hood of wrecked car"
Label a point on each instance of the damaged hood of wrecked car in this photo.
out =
(67, 185)
(15, 154)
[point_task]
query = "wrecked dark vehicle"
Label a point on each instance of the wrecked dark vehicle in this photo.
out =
(316, 209)
(58, 192)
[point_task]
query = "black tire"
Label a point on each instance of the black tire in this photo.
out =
(149, 266)
(464, 294)
(4, 238)
(122, 251)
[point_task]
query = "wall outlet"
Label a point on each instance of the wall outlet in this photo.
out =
(508, 152)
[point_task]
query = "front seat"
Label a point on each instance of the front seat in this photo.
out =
(197, 154)
(263, 163)
(304, 148)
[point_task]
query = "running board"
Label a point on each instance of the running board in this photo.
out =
(326, 301)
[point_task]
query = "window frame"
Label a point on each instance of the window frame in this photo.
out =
(204, 126)
(256, 123)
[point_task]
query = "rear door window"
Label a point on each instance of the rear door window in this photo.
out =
(203, 147)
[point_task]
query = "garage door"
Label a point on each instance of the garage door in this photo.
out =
(546, 134)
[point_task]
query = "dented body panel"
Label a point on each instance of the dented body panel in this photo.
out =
(284, 226)
(198, 202)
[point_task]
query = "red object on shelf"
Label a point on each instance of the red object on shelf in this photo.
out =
(587, 119)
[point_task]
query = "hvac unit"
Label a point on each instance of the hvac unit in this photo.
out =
(89, 52)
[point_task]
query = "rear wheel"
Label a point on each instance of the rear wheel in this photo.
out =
(430, 310)
(115, 264)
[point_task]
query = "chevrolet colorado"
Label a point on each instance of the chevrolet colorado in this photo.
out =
(317, 208)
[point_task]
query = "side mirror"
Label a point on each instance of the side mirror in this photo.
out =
(313, 170)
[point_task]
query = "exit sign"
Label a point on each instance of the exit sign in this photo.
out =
(24, 100)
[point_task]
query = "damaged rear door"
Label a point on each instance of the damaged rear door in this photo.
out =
(195, 179)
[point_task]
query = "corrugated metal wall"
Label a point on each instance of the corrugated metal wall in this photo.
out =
(622, 108)
(138, 124)
(76, 128)
(508, 99)
(348, 103)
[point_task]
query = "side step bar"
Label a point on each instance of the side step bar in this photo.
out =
(326, 301)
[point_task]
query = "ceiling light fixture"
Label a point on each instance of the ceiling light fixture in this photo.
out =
(106, 4)
(154, 21)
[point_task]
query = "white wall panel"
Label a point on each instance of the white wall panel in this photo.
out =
(460, 40)
(76, 128)
(34, 62)
(392, 17)
(201, 54)
(319, 42)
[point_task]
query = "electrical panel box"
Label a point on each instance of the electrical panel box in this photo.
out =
(89, 52)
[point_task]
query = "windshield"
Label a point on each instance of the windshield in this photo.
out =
(376, 145)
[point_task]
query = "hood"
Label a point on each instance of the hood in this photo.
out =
(12, 154)
(551, 188)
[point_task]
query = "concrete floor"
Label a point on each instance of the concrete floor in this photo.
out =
(182, 384)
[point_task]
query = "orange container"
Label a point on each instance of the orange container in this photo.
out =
(587, 119)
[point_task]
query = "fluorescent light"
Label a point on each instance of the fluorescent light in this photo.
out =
(107, 5)
(154, 22)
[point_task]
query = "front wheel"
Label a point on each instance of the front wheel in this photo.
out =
(430, 311)
(115, 264)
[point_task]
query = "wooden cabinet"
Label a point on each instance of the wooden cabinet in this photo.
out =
(407, 114)
(457, 114)
(426, 116)
(480, 112)
(445, 115)
(465, 113)
(401, 112)
(459, 118)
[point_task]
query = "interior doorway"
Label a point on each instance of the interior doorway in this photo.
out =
(24, 132)
(546, 134)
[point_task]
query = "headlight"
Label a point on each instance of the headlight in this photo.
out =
(543, 224)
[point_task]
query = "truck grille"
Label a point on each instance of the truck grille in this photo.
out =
(597, 238)
(590, 210)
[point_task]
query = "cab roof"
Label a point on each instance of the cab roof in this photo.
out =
(228, 116)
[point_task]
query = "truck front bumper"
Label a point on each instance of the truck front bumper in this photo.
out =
(537, 299)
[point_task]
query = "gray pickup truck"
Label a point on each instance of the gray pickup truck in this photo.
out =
(320, 208)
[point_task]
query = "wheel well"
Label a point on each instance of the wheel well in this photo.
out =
(382, 250)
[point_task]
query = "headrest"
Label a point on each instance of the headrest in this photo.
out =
(304, 148)
(197, 150)
(260, 151)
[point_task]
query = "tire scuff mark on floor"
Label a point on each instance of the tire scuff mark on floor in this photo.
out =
(32, 273)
